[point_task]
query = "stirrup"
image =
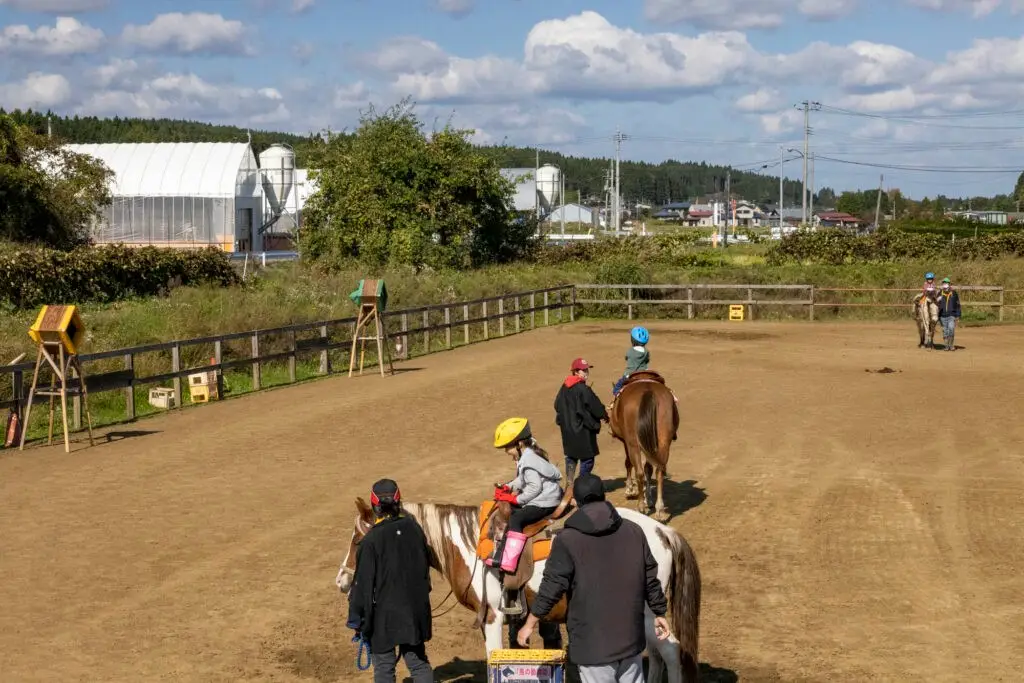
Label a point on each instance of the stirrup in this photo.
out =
(513, 608)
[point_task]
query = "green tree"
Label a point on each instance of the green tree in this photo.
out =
(48, 194)
(391, 194)
(1018, 189)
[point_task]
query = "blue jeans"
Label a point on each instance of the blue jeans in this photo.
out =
(617, 387)
(948, 330)
(586, 467)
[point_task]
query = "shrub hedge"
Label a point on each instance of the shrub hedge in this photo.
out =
(838, 247)
(31, 277)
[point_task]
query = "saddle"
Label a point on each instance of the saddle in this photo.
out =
(539, 535)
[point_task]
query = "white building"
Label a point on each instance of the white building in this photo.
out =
(181, 195)
(574, 213)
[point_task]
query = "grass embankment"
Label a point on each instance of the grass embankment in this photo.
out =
(288, 293)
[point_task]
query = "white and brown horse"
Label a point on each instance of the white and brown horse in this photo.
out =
(926, 314)
(452, 532)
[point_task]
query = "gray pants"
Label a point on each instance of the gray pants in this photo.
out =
(415, 657)
(948, 330)
(623, 671)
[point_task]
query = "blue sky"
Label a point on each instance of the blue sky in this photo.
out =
(929, 93)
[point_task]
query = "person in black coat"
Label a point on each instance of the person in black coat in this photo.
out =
(603, 565)
(389, 602)
(579, 413)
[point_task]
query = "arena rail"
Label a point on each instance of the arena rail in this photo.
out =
(811, 297)
(436, 330)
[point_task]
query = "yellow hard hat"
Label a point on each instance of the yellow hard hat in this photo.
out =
(510, 431)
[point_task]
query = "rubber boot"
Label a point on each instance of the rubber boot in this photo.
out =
(570, 472)
(514, 544)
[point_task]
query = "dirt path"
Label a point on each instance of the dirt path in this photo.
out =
(850, 525)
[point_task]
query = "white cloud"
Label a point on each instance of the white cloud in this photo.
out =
(56, 6)
(197, 32)
(762, 100)
(36, 91)
(783, 121)
(126, 88)
(458, 8)
(300, 6)
(66, 37)
(303, 51)
(977, 8)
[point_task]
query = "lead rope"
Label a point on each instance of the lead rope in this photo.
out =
(364, 646)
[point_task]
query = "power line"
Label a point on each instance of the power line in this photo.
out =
(923, 169)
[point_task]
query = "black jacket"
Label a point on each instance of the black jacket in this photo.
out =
(605, 567)
(389, 602)
(578, 413)
(949, 306)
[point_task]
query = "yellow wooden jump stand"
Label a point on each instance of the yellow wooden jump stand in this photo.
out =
(58, 332)
(371, 297)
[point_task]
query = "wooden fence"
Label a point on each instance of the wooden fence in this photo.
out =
(436, 327)
(753, 297)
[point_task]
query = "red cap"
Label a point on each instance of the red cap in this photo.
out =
(580, 364)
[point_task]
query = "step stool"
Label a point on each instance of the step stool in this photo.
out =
(526, 666)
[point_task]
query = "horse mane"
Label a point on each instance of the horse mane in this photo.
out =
(438, 521)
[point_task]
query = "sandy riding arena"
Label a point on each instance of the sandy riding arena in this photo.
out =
(850, 524)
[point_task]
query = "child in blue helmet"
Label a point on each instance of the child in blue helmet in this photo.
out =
(637, 357)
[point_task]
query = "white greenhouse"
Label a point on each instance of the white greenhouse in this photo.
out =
(182, 195)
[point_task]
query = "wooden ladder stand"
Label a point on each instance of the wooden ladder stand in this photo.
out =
(64, 365)
(369, 313)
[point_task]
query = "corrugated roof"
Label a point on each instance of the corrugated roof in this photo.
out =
(172, 169)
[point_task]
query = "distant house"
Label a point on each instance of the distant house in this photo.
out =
(675, 211)
(837, 219)
(700, 217)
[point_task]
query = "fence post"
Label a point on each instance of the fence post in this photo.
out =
(501, 317)
(810, 308)
(18, 381)
(447, 327)
(572, 306)
(465, 325)
(76, 403)
(129, 391)
(405, 336)
(629, 306)
(533, 310)
(218, 358)
(1001, 302)
(750, 305)
(256, 378)
(689, 304)
(518, 323)
(545, 309)
(426, 331)
(325, 355)
(487, 329)
(291, 357)
(561, 304)
(176, 367)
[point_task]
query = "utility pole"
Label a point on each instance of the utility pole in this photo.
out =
(619, 137)
(810, 197)
(561, 198)
(807, 105)
(536, 186)
(782, 163)
(728, 207)
(878, 204)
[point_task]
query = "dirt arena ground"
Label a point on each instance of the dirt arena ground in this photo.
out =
(850, 525)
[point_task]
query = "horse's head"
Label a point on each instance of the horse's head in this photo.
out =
(361, 527)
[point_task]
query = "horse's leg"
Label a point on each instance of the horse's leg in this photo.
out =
(649, 486)
(492, 595)
(661, 513)
(630, 482)
(641, 487)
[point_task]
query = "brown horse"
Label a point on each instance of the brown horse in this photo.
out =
(452, 532)
(645, 418)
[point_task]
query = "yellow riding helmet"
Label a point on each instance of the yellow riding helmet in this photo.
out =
(510, 431)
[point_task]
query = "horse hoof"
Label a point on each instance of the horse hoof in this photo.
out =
(632, 495)
(661, 516)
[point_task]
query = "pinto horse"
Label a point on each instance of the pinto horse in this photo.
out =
(926, 314)
(452, 532)
(645, 418)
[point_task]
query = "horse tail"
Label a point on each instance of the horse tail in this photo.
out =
(684, 582)
(647, 424)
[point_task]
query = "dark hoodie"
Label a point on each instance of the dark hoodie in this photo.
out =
(603, 565)
(578, 413)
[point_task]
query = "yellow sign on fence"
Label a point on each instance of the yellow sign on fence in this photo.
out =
(736, 312)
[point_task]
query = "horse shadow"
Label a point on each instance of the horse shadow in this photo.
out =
(680, 496)
(467, 671)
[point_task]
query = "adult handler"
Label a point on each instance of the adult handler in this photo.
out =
(389, 602)
(579, 414)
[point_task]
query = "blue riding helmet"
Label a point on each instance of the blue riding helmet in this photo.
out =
(929, 276)
(640, 335)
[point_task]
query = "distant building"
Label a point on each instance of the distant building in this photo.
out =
(574, 213)
(525, 195)
(837, 219)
